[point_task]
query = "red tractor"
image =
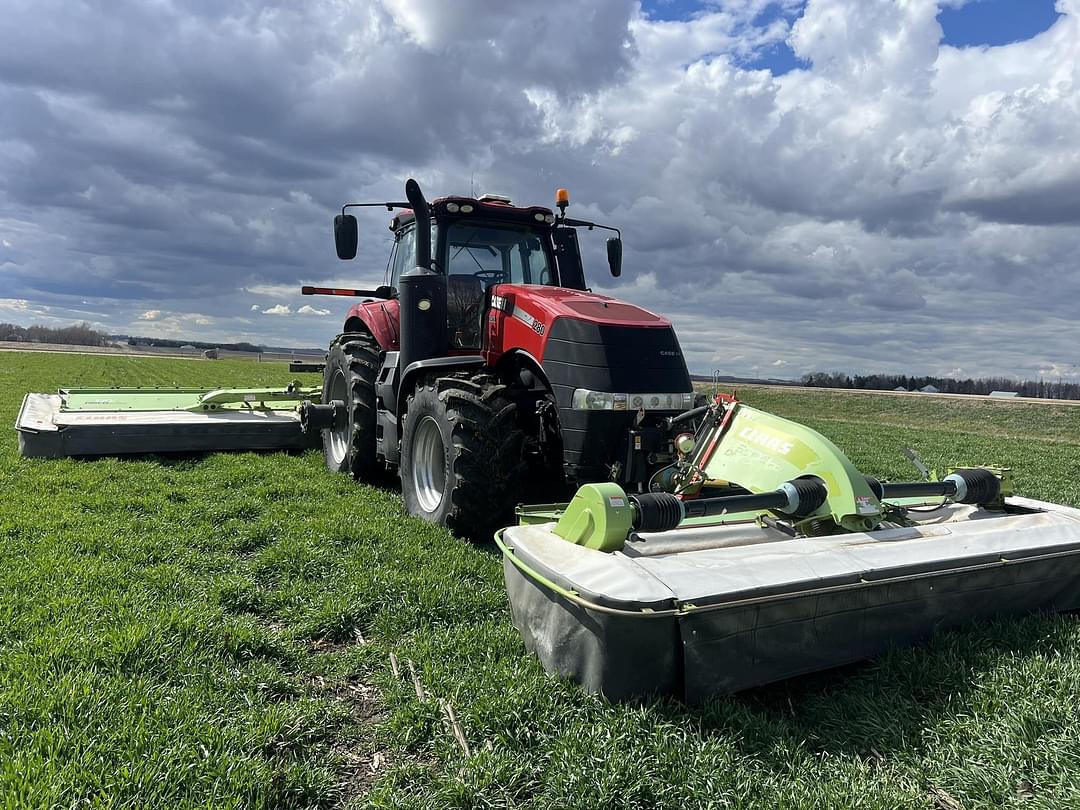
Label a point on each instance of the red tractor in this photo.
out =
(484, 368)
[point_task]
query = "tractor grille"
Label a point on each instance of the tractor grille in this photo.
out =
(601, 357)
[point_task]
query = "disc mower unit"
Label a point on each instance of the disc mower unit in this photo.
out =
(116, 421)
(771, 556)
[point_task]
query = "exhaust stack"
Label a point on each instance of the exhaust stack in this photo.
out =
(421, 293)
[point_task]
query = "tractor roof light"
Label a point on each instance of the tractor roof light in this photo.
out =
(562, 199)
(467, 208)
(452, 207)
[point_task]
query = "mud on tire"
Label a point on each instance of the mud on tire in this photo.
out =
(352, 364)
(461, 459)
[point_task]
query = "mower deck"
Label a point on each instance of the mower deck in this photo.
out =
(712, 610)
(96, 422)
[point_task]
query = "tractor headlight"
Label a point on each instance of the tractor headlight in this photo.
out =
(586, 400)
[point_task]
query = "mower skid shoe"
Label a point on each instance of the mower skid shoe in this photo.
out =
(47, 431)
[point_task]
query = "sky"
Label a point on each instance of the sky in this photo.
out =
(802, 185)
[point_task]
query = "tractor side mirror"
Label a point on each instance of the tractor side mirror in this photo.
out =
(345, 236)
(614, 255)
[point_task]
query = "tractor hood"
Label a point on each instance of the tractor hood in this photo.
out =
(549, 303)
(588, 343)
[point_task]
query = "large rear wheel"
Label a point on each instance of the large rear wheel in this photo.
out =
(352, 365)
(461, 454)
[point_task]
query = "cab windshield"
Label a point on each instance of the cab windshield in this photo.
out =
(497, 253)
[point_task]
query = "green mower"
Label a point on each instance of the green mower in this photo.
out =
(763, 553)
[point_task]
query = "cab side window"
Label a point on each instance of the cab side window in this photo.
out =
(404, 254)
(528, 263)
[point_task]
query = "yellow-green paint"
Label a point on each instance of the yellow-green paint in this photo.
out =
(599, 517)
(184, 399)
(760, 451)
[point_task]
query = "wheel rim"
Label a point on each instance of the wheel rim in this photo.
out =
(339, 434)
(428, 464)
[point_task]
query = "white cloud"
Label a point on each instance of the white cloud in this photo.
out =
(1060, 371)
(150, 315)
(255, 307)
(17, 304)
(277, 309)
(307, 309)
(274, 290)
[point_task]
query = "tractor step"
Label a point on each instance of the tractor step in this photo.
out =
(705, 611)
(119, 421)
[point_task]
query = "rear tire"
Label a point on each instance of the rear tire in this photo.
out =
(461, 455)
(352, 365)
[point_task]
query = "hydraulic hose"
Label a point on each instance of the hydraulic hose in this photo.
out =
(693, 413)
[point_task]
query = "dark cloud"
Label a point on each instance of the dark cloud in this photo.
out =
(896, 203)
(1052, 203)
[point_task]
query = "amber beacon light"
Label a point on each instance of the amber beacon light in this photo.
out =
(562, 199)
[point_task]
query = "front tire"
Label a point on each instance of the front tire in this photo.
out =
(461, 455)
(352, 365)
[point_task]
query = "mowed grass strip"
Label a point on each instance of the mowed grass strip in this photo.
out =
(186, 633)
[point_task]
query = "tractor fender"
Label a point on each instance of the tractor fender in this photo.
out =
(379, 319)
(443, 364)
(524, 360)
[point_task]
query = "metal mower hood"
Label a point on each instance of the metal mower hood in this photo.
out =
(117, 421)
(700, 612)
(800, 563)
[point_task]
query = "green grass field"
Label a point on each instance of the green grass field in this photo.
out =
(217, 631)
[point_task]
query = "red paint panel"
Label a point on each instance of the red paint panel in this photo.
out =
(549, 303)
(381, 319)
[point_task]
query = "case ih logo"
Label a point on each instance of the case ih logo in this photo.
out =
(766, 440)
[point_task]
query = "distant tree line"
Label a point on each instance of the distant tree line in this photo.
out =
(79, 334)
(1044, 389)
(177, 344)
(229, 347)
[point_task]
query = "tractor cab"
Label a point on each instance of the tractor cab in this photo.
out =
(478, 243)
(473, 244)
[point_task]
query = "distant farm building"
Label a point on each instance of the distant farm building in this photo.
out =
(930, 389)
(900, 388)
(1003, 394)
